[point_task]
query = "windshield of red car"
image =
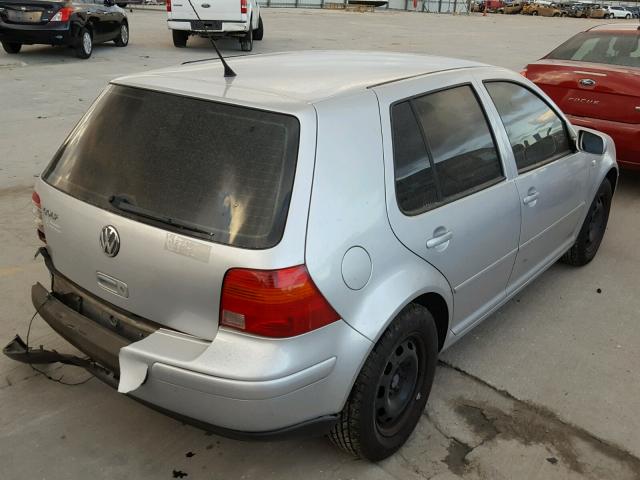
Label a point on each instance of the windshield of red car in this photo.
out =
(610, 48)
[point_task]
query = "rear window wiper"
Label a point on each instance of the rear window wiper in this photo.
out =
(122, 203)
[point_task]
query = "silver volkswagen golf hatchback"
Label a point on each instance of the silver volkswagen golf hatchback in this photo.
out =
(289, 250)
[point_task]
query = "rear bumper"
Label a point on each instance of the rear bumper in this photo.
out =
(231, 27)
(37, 34)
(237, 385)
(626, 136)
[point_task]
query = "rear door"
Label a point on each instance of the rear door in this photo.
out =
(154, 197)
(449, 198)
(552, 176)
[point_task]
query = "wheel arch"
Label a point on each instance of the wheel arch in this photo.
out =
(612, 176)
(439, 309)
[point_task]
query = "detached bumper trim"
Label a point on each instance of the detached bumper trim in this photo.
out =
(100, 344)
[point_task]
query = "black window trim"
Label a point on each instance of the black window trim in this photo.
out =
(166, 227)
(572, 140)
(441, 201)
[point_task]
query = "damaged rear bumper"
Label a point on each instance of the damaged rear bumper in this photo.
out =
(237, 385)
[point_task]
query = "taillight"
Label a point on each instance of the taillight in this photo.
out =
(63, 15)
(37, 215)
(273, 303)
(243, 6)
(168, 5)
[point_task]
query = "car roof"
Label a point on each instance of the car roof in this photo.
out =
(302, 77)
(616, 27)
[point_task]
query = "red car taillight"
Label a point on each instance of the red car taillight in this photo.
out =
(63, 15)
(243, 6)
(168, 5)
(273, 303)
(37, 215)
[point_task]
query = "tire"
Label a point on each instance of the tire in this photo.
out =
(627, 16)
(246, 42)
(84, 49)
(259, 32)
(179, 38)
(534, 13)
(123, 38)
(397, 375)
(593, 228)
(11, 47)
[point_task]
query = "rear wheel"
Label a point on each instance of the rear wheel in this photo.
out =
(259, 33)
(11, 47)
(246, 42)
(180, 38)
(390, 393)
(84, 49)
(627, 16)
(593, 228)
(534, 13)
(122, 39)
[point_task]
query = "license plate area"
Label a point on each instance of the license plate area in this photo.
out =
(206, 25)
(18, 16)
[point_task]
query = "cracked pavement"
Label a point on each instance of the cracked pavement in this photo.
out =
(547, 388)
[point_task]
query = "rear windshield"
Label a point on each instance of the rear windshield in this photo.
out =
(204, 169)
(601, 47)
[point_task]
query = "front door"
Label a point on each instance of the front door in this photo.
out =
(449, 199)
(551, 181)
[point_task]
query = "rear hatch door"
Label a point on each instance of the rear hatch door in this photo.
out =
(153, 197)
(28, 12)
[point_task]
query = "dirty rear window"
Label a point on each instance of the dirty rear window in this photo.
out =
(227, 170)
(601, 47)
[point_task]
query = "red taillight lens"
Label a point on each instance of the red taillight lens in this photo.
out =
(273, 303)
(37, 215)
(62, 15)
(168, 5)
(243, 6)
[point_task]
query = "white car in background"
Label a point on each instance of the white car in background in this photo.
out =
(617, 12)
(219, 18)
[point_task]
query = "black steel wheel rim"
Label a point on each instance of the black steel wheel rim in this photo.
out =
(596, 221)
(398, 385)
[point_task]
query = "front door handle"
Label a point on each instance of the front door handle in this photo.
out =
(531, 198)
(439, 239)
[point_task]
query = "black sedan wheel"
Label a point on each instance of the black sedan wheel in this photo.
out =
(11, 47)
(390, 393)
(85, 44)
(123, 38)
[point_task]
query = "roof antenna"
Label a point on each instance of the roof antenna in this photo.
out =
(228, 72)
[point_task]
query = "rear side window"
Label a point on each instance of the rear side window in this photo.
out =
(225, 170)
(601, 47)
(536, 133)
(443, 149)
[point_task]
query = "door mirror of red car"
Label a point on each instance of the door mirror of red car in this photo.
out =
(591, 143)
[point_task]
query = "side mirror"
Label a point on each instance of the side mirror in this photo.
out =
(591, 143)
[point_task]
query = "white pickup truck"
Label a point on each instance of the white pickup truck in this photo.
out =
(218, 18)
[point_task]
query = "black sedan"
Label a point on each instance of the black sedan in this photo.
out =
(79, 24)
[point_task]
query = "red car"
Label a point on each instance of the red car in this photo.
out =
(595, 79)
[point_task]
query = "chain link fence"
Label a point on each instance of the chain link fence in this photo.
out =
(432, 6)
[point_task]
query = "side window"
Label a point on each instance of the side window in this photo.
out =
(536, 133)
(442, 148)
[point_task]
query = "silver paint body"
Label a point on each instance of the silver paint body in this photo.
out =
(366, 257)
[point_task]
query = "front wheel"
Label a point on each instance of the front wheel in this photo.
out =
(11, 47)
(259, 33)
(534, 13)
(246, 42)
(391, 391)
(593, 228)
(122, 40)
(627, 16)
(85, 45)
(179, 38)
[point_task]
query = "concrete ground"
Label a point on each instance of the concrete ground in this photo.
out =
(547, 388)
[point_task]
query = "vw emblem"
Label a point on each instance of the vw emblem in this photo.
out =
(110, 241)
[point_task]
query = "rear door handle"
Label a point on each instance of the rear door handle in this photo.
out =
(440, 239)
(531, 198)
